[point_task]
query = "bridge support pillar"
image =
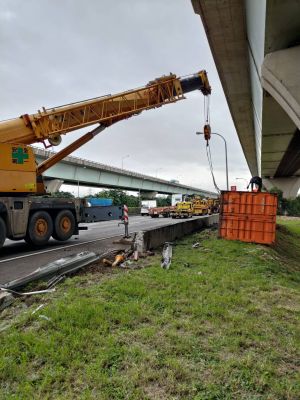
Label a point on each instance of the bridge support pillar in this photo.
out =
(288, 185)
(52, 185)
(148, 195)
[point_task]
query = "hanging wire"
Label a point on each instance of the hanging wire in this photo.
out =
(206, 109)
(206, 112)
(210, 163)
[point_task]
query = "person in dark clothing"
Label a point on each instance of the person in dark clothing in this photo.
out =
(255, 180)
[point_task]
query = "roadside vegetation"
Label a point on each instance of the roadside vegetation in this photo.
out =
(289, 207)
(221, 323)
(293, 224)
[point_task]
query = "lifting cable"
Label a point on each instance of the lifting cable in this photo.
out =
(208, 152)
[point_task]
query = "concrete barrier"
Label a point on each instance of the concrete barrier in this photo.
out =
(150, 239)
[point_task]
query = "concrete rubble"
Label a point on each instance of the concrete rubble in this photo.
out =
(6, 299)
(167, 255)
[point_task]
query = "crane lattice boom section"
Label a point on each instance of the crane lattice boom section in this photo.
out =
(106, 110)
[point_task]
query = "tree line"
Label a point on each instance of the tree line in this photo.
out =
(285, 206)
(118, 197)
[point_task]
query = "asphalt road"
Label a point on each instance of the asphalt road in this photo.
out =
(18, 258)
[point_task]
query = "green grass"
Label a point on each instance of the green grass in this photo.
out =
(292, 223)
(222, 323)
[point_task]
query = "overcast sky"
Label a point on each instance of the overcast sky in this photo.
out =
(60, 51)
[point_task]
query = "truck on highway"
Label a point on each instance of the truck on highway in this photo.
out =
(213, 206)
(183, 209)
(200, 206)
(176, 198)
(26, 211)
(165, 212)
(146, 205)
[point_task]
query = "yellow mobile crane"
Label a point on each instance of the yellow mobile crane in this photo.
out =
(24, 214)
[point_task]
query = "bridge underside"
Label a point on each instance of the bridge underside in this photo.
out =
(281, 80)
(74, 171)
(255, 45)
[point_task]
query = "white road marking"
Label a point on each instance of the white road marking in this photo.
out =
(56, 248)
(89, 241)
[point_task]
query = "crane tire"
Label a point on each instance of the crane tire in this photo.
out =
(64, 225)
(2, 232)
(40, 228)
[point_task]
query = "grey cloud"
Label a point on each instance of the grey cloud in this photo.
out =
(55, 52)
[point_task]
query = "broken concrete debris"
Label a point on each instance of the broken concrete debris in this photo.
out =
(166, 255)
(6, 299)
(107, 262)
(139, 243)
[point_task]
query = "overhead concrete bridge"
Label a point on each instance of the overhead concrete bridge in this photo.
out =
(256, 48)
(74, 170)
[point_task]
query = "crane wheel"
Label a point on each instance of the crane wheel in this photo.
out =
(40, 228)
(64, 225)
(2, 232)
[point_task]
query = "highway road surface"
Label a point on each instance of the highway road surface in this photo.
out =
(19, 259)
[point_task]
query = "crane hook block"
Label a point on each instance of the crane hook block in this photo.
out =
(207, 132)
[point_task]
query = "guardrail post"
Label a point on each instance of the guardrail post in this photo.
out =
(125, 221)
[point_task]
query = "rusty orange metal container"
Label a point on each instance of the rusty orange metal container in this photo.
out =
(248, 216)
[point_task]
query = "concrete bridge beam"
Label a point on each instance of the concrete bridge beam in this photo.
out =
(280, 75)
(53, 185)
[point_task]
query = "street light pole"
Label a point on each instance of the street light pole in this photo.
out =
(156, 171)
(123, 158)
(226, 156)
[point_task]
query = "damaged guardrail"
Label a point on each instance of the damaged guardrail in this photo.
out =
(63, 266)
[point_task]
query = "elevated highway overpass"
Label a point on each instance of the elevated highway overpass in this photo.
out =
(256, 48)
(73, 170)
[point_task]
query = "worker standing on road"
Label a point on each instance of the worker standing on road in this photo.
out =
(257, 181)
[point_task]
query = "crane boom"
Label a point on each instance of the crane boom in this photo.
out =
(18, 170)
(51, 123)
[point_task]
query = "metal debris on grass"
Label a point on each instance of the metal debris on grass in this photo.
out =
(119, 259)
(63, 266)
(37, 309)
(44, 317)
(28, 293)
(166, 255)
